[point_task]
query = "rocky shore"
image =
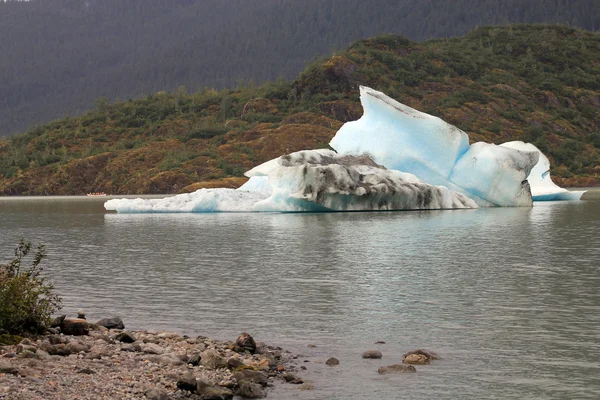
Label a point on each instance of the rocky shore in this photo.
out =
(79, 360)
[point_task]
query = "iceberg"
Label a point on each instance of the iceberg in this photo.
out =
(323, 180)
(542, 187)
(309, 181)
(438, 153)
(392, 158)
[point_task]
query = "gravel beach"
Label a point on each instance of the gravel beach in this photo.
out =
(101, 363)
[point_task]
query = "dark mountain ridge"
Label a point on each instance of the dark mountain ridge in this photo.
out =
(59, 56)
(537, 83)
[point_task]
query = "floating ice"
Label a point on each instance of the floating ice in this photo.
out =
(542, 187)
(393, 158)
(438, 153)
(322, 180)
(203, 200)
(309, 180)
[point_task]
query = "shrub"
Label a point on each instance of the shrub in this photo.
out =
(27, 301)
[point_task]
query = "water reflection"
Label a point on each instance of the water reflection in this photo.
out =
(508, 295)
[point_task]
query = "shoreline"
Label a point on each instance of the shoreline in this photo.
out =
(116, 363)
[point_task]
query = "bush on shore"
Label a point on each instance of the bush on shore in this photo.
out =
(27, 301)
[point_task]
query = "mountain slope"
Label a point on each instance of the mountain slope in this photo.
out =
(58, 56)
(535, 83)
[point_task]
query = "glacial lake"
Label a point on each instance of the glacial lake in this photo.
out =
(509, 297)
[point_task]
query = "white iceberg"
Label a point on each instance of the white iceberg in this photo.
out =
(542, 187)
(392, 158)
(309, 180)
(438, 153)
(322, 180)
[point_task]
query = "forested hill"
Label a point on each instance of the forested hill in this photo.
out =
(535, 83)
(58, 56)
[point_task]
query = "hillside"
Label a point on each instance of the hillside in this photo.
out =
(530, 82)
(59, 56)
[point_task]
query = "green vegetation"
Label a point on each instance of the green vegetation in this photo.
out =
(536, 83)
(26, 300)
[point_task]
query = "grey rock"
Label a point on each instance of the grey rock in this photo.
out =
(151, 348)
(194, 359)
(428, 354)
(206, 391)
(168, 359)
(332, 361)
(29, 373)
(24, 347)
(372, 354)
(86, 371)
(42, 354)
(6, 368)
(96, 354)
(234, 363)
(111, 323)
(396, 369)
(131, 347)
(250, 390)
(35, 364)
(251, 376)
(187, 381)
(27, 354)
(55, 339)
(211, 359)
(125, 337)
(291, 378)
(55, 349)
(77, 347)
(246, 342)
(156, 394)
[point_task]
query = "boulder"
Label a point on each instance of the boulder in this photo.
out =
(87, 371)
(24, 347)
(206, 391)
(372, 354)
(332, 361)
(151, 348)
(420, 356)
(55, 339)
(125, 337)
(74, 327)
(419, 359)
(194, 359)
(77, 347)
(291, 378)
(156, 394)
(167, 359)
(131, 347)
(396, 369)
(250, 390)
(234, 363)
(251, 376)
(6, 368)
(187, 381)
(211, 359)
(246, 342)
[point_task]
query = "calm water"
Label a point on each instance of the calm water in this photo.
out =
(510, 297)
